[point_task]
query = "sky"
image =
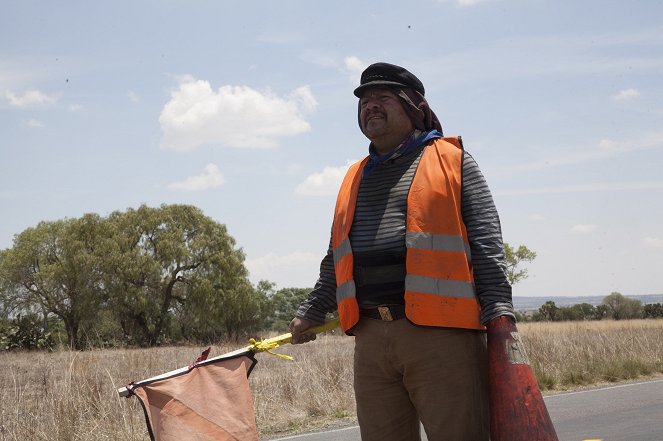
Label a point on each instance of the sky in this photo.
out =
(245, 110)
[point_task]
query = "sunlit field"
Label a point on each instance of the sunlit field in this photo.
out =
(565, 355)
(72, 395)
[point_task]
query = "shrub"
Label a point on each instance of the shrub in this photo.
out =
(26, 332)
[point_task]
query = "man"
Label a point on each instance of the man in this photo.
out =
(415, 268)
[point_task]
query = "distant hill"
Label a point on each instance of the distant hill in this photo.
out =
(521, 303)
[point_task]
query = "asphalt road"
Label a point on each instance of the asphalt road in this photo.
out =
(626, 412)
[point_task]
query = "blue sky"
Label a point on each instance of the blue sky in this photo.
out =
(246, 111)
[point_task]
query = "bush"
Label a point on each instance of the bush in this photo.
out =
(26, 332)
(653, 310)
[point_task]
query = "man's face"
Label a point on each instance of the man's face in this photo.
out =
(381, 114)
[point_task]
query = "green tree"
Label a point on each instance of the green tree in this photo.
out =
(583, 311)
(620, 307)
(652, 310)
(283, 306)
(580, 311)
(586, 311)
(514, 260)
(548, 312)
(173, 267)
(522, 317)
(54, 268)
(567, 314)
(601, 312)
(212, 311)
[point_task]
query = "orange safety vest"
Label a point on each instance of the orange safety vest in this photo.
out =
(439, 283)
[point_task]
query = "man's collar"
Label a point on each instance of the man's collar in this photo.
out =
(413, 140)
(398, 151)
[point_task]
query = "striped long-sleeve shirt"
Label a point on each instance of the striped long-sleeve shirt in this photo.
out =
(379, 225)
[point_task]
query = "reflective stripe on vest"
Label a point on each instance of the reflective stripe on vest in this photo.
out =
(437, 242)
(439, 285)
(343, 249)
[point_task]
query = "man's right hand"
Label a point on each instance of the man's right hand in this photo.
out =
(298, 327)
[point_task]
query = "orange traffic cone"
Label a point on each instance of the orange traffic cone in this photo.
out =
(517, 409)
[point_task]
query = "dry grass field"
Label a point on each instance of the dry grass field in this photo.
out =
(565, 355)
(67, 395)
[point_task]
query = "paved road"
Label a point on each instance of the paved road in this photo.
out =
(627, 412)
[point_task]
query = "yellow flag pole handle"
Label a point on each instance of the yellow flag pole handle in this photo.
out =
(327, 326)
(284, 339)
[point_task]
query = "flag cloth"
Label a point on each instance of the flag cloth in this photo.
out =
(211, 401)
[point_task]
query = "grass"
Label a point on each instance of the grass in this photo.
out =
(565, 355)
(67, 395)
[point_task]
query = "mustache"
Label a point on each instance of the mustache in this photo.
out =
(373, 113)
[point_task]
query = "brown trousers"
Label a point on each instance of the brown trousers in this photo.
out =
(405, 374)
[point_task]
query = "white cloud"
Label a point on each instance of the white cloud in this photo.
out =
(583, 228)
(297, 269)
(31, 97)
(536, 217)
(234, 116)
(75, 107)
(626, 94)
(350, 67)
(35, 123)
(354, 67)
(16, 75)
(133, 97)
(303, 98)
(210, 178)
(654, 242)
(324, 183)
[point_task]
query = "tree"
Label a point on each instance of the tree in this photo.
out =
(522, 317)
(584, 311)
(620, 307)
(175, 264)
(55, 269)
(283, 306)
(567, 313)
(514, 259)
(548, 312)
(652, 310)
(143, 276)
(580, 311)
(601, 312)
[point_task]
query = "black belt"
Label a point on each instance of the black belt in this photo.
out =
(385, 313)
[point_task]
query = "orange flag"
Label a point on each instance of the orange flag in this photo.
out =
(211, 401)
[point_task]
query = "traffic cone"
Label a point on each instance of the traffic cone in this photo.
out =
(517, 409)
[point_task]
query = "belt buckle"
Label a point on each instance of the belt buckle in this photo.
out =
(385, 313)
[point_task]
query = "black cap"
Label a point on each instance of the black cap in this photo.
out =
(389, 75)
